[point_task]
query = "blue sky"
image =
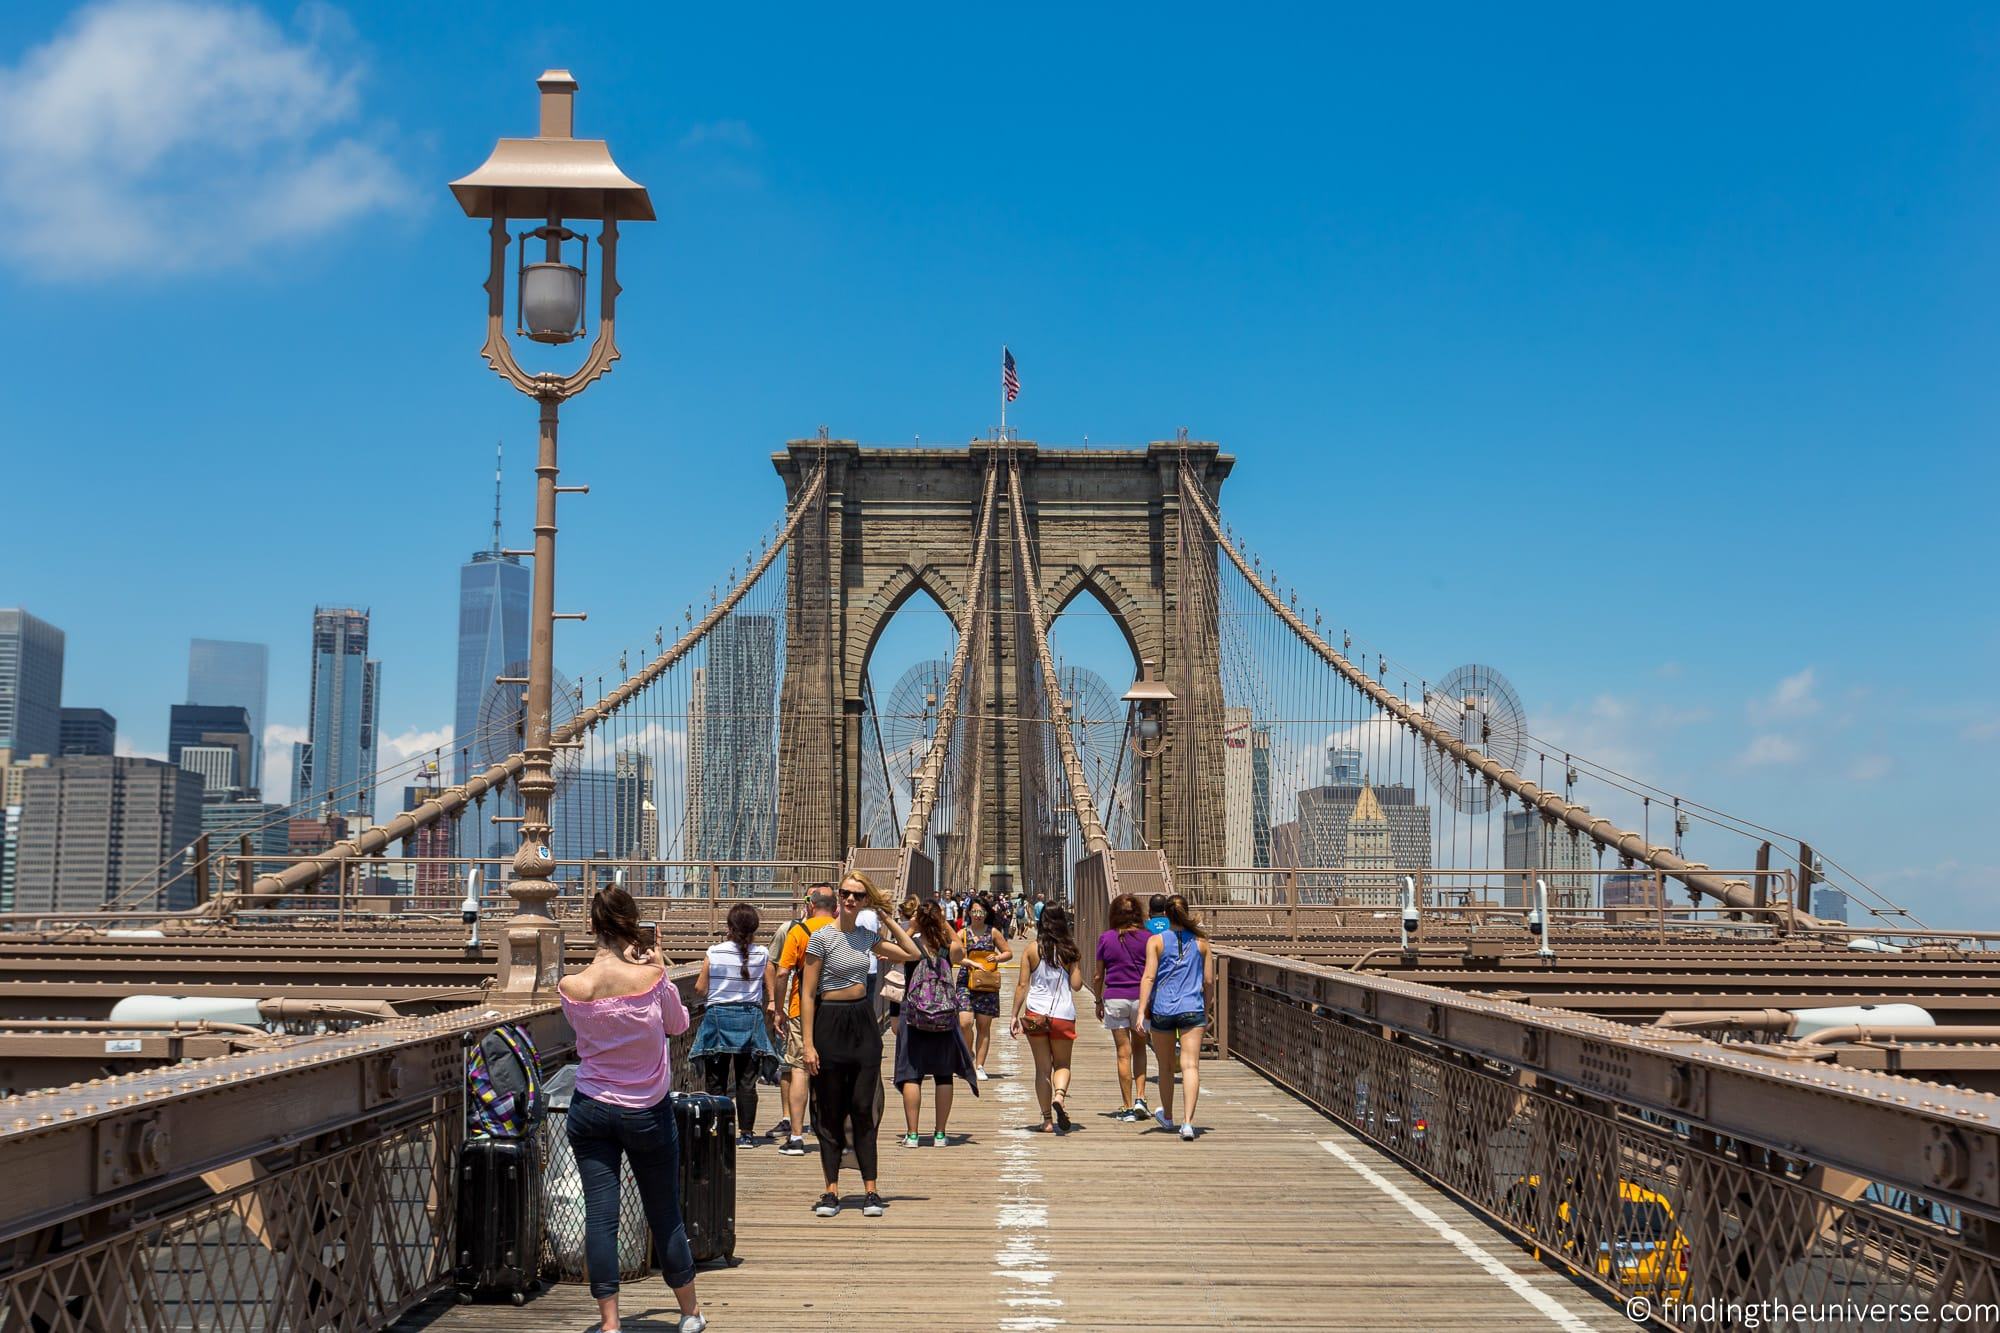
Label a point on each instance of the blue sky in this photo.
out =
(1647, 355)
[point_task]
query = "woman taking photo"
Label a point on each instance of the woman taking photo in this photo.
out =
(843, 1045)
(1045, 1010)
(736, 1026)
(623, 1012)
(1173, 1007)
(929, 1044)
(985, 949)
(1121, 965)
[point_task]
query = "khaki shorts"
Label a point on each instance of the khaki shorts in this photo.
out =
(1120, 1014)
(792, 1032)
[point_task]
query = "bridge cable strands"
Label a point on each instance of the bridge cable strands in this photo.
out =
(305, 873)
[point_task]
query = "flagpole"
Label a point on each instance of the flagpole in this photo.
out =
(1003, 391)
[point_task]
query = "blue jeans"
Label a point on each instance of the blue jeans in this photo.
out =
(598, 1133)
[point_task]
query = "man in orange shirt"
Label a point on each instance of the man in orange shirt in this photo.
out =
(790, 951)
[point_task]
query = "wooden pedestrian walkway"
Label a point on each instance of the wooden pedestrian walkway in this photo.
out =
(1274, 1218)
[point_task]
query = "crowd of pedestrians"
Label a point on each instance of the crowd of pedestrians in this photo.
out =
(800, 1010)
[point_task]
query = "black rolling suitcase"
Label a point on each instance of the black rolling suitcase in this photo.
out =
(499, 1241)
(707, 1128)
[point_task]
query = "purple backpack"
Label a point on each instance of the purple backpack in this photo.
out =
(930, 1002)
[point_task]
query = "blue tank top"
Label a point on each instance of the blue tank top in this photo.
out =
(1177, 985)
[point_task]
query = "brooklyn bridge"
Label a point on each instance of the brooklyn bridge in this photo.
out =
(1502, 1034)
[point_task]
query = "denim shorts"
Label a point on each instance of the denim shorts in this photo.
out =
(1177, 1022)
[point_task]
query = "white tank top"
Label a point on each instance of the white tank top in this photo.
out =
(1049, 992)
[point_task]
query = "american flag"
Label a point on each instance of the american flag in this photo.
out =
(1010, 383)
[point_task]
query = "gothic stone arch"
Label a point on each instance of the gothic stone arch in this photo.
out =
(894, 519)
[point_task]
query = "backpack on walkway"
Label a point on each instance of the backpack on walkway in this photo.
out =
(504, 1077)
(930, 1003)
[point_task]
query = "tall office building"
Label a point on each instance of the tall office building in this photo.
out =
(227, 823)
(87, 732)
(635, 816)
(217, 767)
(583, 819)
(95, 827)
(1326, 813)
(433, 843)
(1829, 904)
(493, 597)
(690, 839)
(1369, 862)
(338, 772)
(1536, 844)
(738, 755)
(230, 674)
(1632, 889)
(1260, 796)
(1239, 828)
(1343, 767)
(31, 671)
(214, 727)
(10, 843)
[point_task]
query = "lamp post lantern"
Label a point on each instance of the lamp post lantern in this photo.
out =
(1149, 742)
(554, 179)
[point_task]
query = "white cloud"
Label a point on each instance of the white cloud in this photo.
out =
(721, 133)
(1768, 749)
(1794, 697)
(175, 135)
(123, 745)
(413, 743)
(1870, 768)
(278, 742)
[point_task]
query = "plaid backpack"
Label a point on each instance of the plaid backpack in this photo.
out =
(504, 1075)
(930, 1002)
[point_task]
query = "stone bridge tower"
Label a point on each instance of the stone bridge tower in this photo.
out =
(1103, 522)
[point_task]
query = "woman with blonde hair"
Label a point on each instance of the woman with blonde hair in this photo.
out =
(1174, 1000)
(843, 1046)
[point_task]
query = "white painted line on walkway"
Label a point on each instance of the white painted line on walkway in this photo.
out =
(1463, 1243)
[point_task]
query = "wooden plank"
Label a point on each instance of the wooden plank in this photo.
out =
(1115, 1226)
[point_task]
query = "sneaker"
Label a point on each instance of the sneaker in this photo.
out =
(782, 1130)
(1130, 1115)
(746, 1140)
(938, 1139)
(911, 1140)
(691, 1323)
(1187, 1132)
(983, 1075)
(1062, 1116)
(1139, 1105)
(1160, 1119)
(793, 1147)
(828, 1205)
(872, 1205)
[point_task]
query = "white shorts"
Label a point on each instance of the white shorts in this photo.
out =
(1120, 1014)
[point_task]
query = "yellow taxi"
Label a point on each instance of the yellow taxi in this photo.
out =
(1648, 1253)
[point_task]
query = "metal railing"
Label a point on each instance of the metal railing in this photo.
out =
(361, 892)
(307, 1184)
(1671, 1171)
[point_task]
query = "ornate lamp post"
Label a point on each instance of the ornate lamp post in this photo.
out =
(554, 179)
(1149, 742)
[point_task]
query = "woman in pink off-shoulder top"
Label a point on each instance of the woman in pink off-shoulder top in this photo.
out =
(623, 1012)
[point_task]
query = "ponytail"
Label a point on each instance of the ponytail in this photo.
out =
(743, 923)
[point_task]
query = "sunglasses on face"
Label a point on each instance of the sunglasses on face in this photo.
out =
(847, 895)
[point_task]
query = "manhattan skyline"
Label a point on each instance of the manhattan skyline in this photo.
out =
(1712, 345)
